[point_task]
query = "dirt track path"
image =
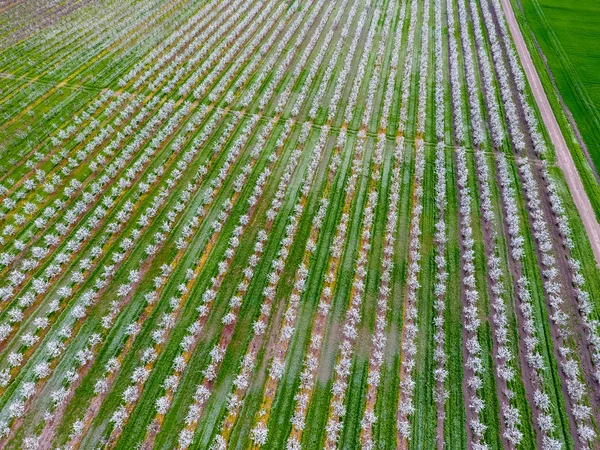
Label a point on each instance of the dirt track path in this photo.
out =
(563, 155)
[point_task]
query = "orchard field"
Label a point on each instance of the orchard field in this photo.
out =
(275, 224)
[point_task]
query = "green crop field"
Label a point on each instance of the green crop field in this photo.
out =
(275, 224)
(569, 36)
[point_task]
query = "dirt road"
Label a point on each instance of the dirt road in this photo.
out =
(563, 155)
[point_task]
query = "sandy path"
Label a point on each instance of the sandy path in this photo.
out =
(563, 155)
